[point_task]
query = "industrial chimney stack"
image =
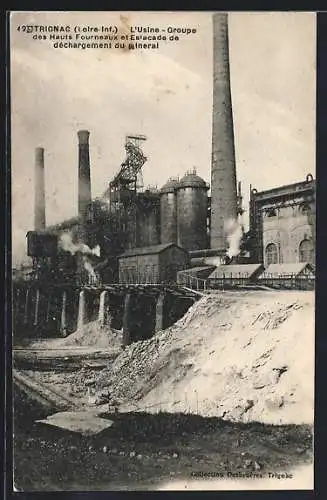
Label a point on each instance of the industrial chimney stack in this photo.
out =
(223, 169)
(84, 176)
(39, 195)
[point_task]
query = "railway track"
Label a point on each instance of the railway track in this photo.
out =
(47, 397)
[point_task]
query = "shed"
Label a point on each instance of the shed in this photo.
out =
(235, 274)
(249, 271)
(289, 270)
(153, 264)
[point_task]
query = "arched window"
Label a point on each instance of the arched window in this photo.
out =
(271, 254)
(271, 212)
(306, 251)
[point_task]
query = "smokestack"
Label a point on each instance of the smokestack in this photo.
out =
(223, 169)
(39, 195)
(84, 176)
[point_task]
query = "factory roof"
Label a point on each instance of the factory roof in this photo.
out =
(285, 190)
(287, 270)
(201, 272)
(197, 269)
(236, 271)
(154, 249)
(170, 186)
(192, 180)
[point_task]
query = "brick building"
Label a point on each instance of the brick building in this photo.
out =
(282, 223)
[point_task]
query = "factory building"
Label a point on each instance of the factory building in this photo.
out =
(299, 270)
(156, 264)
(282, 223)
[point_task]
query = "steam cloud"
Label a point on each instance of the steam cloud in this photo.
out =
(66, 243)
(234, 233)
(93, 278)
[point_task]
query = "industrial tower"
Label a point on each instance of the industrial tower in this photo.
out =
(223, 169)
(123, 193)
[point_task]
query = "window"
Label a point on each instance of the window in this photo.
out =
(306, 251)
(271, 254)
(271, 212)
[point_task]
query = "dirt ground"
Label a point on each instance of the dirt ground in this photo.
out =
(148, 452)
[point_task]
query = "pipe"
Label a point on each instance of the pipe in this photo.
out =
(63, 321)
(39, 193)
(26, 307)
(207, 252)
(81, 310)
(127, 320)
(37, 305)
(102, 307)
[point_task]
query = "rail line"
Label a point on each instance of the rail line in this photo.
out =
(47, 397)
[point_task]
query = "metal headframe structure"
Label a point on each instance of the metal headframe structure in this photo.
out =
(133, 163)
(122, 192)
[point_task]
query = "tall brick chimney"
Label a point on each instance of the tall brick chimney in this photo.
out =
(39, 193)
(223, 168)
(84, 175)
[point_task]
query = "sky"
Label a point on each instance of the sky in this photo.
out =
(165, 94)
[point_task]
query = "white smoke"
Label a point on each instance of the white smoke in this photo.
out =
(66, 243)
(234, 233)
(93, 278)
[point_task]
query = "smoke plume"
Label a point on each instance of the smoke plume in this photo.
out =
(234, 233)
(66, 243)
(93, 278)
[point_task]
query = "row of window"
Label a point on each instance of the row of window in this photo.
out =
(273, 212)
(306, 252)
(132, 274)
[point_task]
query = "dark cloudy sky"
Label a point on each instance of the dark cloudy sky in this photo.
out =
(166, 95)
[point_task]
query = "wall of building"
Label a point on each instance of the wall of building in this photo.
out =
(139, 269)
(172, 260)
(148, 226)
(282, 223)
(153, 268)
(286, 230)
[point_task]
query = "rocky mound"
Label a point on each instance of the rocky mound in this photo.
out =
(92, 335)
(243, 356)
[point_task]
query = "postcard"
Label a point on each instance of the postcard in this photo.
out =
(163, 250)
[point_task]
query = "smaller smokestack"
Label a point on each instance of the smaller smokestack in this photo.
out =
(84, 175)
(39, 195)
